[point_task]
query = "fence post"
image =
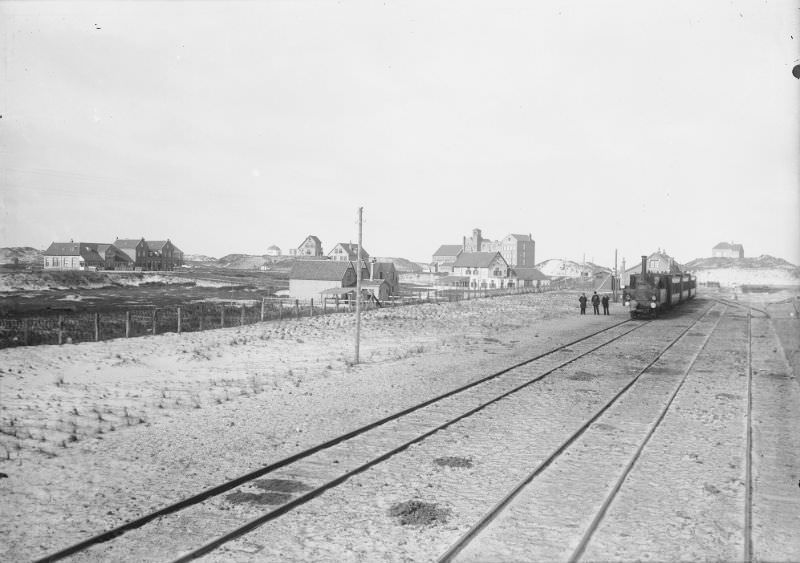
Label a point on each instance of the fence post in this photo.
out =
(336, 302)
(97, 327)
(202, 314)
(280, 309)
(296, 308)
(154, 321)
(26, 327)
(312, 307)
(324, 305)
(222, 316)
(179, 320)
(127, 324)
(61, 329)
(241, 315)
(263, 304)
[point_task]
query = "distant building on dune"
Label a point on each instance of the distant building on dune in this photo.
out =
(273, 251)
(347, 251)
(727, 250)
(311, 246)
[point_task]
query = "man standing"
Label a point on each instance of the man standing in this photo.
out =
(604, 301)
(582, 300)
(596, 303)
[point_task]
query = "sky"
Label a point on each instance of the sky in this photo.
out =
(229, 127)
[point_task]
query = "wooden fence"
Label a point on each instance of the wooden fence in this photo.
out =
(88, 326)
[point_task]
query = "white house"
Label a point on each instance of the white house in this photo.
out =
(485, 270)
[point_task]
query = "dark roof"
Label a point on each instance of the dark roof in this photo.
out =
(452, 279)
(476, 259)
(448, 250)
(529, 274)
(332, 270)
(728, 246)
(127, 242)
(156, 244)
(315, 239)
(86, 250)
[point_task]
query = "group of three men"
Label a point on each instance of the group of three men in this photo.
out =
(595, 303)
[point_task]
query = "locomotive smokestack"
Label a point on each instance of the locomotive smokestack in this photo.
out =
(644, 265)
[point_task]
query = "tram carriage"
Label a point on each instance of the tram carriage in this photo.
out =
(650, 294)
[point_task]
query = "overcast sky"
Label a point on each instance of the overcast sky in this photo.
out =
(231, 127)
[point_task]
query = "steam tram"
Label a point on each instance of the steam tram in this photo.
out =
(651, 294)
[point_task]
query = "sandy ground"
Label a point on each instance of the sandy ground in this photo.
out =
(94, 434)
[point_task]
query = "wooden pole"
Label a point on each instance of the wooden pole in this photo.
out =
(296, 308)
(154, 322)
(358, 284)
(241, 315)
(97, 327)
(179, 320)
(222, 316)
(127, 324)
(312, 308)
(263, 304)
(202, 314)
(26, 328)
(61, 329)
(324, 305)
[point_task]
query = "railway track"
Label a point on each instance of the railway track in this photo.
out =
(412, 425)
(576, 552)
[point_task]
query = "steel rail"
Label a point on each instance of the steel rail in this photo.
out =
(598, 518)
(741, 305)
(242, 479)
(487, 518)
(272, 514)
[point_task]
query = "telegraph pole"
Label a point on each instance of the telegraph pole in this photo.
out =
(358, 284)
(615, 282)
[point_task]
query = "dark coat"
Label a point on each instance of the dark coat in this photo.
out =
(605, 300)
(582, 299)
(595, 299)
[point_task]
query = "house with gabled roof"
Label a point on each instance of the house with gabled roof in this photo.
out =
(308, 279)
(311, 246)
(727, 250)
(442, 260)
(347, 251)
(162, 255)
(73, 256)
(114, 258)
(529, 277)
(135, 249)
(485, 270)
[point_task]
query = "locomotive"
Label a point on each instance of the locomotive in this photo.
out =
(651, 294)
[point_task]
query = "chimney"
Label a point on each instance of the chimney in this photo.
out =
(644, 265)
(372, 268)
